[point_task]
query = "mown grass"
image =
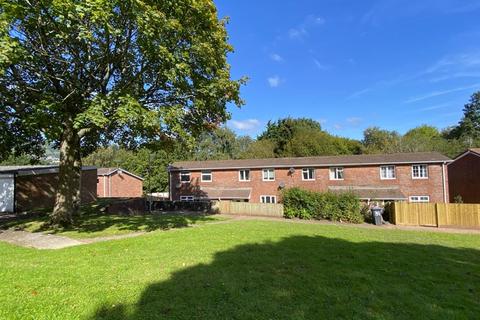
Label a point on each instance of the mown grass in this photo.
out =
(248, 270)
(101, 225)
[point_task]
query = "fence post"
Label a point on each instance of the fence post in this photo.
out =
(436, 216)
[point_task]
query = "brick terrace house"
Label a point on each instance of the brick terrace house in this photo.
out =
(414, 177)
(25, 188)
(464, 176)
(118, 183)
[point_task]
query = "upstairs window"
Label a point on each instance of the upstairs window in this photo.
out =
(308, 174)
(206, 176)
(336, 173)
(420, 171)
(244, 175)
(387, 172)
(268, 174)
(268, 199)
(185, 176)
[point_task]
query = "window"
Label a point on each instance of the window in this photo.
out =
(185, 176)
(420, 171)
(387, 172)
(244, 175)
(268, 174)
(336, 173)
(268, 199)
(419, 199)
(206, 176)
(186, 198)
(308, 174)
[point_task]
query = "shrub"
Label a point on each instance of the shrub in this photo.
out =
(306, 204)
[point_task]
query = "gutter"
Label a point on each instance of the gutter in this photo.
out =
(444, 182)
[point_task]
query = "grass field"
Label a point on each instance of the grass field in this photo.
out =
(98, 225)
(248, 270)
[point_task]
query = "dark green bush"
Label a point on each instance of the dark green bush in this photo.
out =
(306, 204)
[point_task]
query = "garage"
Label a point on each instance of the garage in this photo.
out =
(7, 193)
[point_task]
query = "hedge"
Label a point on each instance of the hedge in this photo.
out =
(304, 204)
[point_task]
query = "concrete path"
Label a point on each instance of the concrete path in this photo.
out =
(50, 241)
(37, 240)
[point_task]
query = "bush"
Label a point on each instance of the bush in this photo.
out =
(306, 204)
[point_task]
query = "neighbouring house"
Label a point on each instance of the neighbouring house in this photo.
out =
(413, 177)
(118, 183)
(464, 177)
(26, 188)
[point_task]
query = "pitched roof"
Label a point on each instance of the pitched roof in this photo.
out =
(371, 193)
(325, 161)
(475, 150)
(110, 171)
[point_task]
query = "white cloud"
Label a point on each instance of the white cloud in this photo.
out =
(274, 81)
(246, 125)
(337, 126)
(302, 30)
(276, 57)
(441, 93)
(320, 65)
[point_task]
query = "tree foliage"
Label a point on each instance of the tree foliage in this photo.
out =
(86, 73)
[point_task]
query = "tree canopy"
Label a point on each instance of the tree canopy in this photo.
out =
(87, 73)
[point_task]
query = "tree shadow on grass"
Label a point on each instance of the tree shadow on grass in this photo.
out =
(94, 223)
(304, 277)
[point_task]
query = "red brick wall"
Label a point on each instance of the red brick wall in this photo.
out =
(354, 176)
(38, 191)
(119, 186)
(464, 178)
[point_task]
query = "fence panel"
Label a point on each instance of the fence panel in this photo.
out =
(247, 208)
(437, 215)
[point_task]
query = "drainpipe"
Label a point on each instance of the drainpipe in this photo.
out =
(170, 195)
(444, 178)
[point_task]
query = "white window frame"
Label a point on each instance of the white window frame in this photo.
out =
(334, 173)
(185, 173)
(268, 175)
(187, 198)
(263, 199)
(308, 171)
(240, 175)
(206, 172)
(419, 199)
(419, 177)
(386, 172)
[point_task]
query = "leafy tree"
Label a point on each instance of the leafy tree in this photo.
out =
(86, 73)
(468, 129)
(220, 144)
(376, 140)
(259, 149)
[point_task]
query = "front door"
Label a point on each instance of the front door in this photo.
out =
(7, 189)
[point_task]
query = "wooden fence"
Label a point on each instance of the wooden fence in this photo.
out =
(436, 214)
(249, 209)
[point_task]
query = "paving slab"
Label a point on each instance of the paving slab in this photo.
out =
(37, 240)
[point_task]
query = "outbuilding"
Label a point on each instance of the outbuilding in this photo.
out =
(118, 183)
(26, 188)
(464, 177)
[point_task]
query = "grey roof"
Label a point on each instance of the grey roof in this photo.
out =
(324, 161)
(33, 168)
(371, 192)
(110, 171)
(225, 193)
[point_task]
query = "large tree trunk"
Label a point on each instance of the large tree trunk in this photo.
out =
(67, 200)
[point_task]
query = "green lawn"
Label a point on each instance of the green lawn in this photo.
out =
(248, 270)
(95, 225)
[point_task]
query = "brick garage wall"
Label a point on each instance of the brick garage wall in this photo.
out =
(38, 191)
(119, 186)
(354, 176)
(464, 178)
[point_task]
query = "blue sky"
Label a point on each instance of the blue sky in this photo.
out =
(354, 64)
